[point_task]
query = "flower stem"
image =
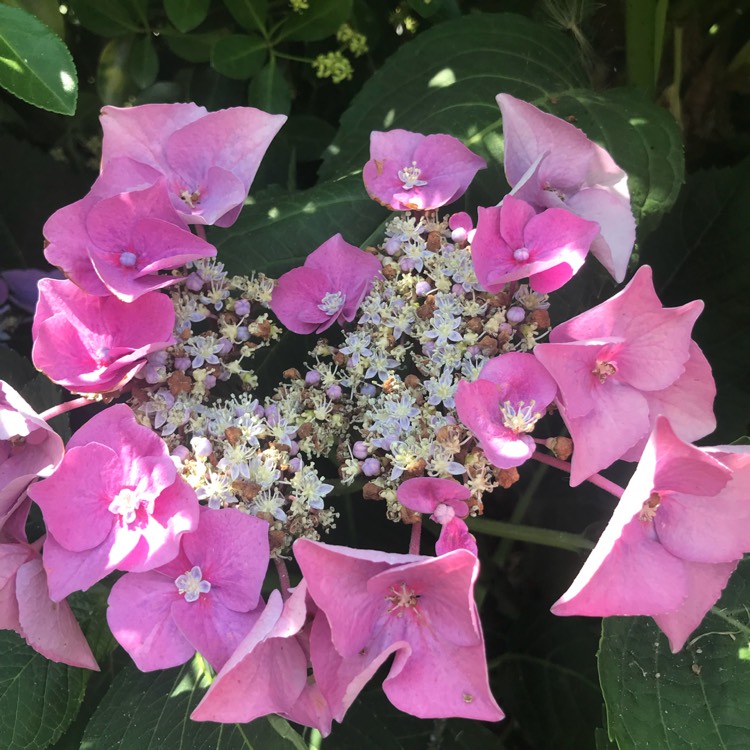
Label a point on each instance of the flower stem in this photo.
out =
(416, 535)
(595, 479)
(200, 231)
(283, 574)
(316, 740)
(56, 411)
(533, 534)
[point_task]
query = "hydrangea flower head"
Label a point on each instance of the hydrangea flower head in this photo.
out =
(674, 539)
(445, 500)
(619, 365)
(502, 406)
(114, 503)
(29, 448)
(410, 171)
(205, 599)
(327, 289)
(419, 608)
(117, 244)
(267, 673)
(96, 344)
(209, 159)
(513, 242)
(552, 164)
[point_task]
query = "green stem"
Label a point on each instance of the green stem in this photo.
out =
(644, 40)
(294, 58)
(533, 534)
(722, 615)
(316, 740)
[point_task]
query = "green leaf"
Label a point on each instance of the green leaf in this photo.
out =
(112, 17)
(113, 83)
(426, 8)
(442, 93)
(269, 91)
(701, 250)
(250, 14)
(143, 62)
(695, 699)
(277, 233)
(192, 47)
(35, 64)
(239, 56)
(185, 15)
(38, 698)
(322, 19)
(47, 11)
(309, 135)
(152, 711)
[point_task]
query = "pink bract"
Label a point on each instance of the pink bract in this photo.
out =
(552, 164)
(28, 449)
(94, 344)
(513, 242)
(445, 500)
(676, 536)
(205, 599)
(502, 406)
(209, 159)
(619, 365)
(327, 289)
(118, 243)
(419, 608)
(411, 171)
(268, 671)
(114, 503)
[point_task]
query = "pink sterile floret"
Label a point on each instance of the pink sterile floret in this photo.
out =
(419, 608)
(117, 243)
(411, 171)
(206, 599)
(502, 407)
(513, 242)
(209, 159)
(327, 289)
(97, 344)
(114, 503)
(445, 500)
(25, 606)
(676, 536)
(619, 365)
(28, 449)
(552, 164)
(268, 671)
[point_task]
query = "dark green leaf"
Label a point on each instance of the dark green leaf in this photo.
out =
(693, 700)
(277, 233)
(701, 250)
(239, 56)
(321, 19)
(35, 64)
(192, 47)
(269, 91)
(250, 14)
(112, 17)
(143, 62)
(309, 135)
(38, 698)
(426, 8)
(185, 15)
(152, 711)
(161, 92)
(47, 11)
(113, 82)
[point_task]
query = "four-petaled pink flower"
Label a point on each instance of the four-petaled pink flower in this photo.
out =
(29, 448)
(205, 599)
(513, 242)
(114, 503)
(445, 500)
(676, 536)
(268, 672)
(209, 159)
(411, 171)
(619, 365)
(502, 406)
(421, 609)
(552, 164)
(117, 243)
(97, 344)
(327, 289)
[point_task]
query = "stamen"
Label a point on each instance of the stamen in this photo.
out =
(603, 370)
(191, 584)
(332, 302)
(409, 176)
(648, 511)
(128, 259)
(520, 418)
(402, 599)
(125, 504)
(521, 254)
(192, 198)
